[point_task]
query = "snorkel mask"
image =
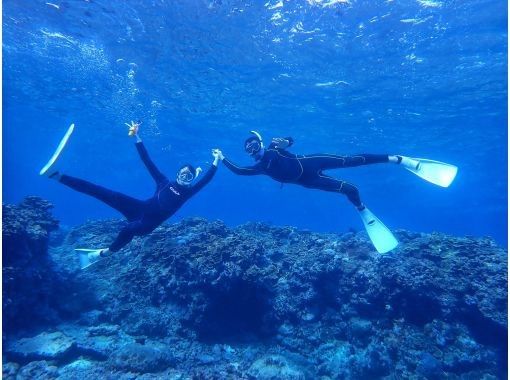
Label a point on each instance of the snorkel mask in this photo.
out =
(186, 175)
(254, 145)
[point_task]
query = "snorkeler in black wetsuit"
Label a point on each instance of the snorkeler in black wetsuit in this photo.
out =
(305, 170)
(308, 171)
(143, 215)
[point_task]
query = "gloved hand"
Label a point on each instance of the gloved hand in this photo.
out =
(280, 142)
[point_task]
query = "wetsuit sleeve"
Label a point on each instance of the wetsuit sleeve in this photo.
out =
(153, 170)
(249, 170)
(204, 180)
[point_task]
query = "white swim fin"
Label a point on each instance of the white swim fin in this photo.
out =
(438, 173)
(46, 170)
(382, 238)
(88, 256)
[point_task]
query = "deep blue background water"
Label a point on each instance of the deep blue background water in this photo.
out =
(421, 78)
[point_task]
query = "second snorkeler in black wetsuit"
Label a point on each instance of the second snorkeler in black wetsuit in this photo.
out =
(305, 170)
(143, 216)
(308, 171)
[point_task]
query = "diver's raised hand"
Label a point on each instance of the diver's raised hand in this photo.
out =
(133, 129)
(280, 142)
(218, 156)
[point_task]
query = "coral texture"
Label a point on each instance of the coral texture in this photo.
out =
(197, 299)
(26, 272)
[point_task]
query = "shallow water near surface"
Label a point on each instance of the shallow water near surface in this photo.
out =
(420, 78)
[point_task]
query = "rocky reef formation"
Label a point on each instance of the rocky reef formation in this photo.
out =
(197, 299)
(26, 272)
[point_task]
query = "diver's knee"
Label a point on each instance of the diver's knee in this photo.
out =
(352, 194)
(347, 188)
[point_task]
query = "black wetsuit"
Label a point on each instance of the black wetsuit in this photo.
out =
(143, 215)
(307, 171)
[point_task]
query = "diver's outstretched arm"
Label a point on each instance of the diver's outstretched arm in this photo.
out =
(153, 170)
(247, 170)
(210, 173)
(205, 179)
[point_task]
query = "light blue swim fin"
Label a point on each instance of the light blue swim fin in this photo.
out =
(438, 173)
(88, 256)
(382, 238)
(49, 165)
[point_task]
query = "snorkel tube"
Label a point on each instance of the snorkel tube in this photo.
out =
(258, 137)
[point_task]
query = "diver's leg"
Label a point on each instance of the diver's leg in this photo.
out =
(140, 227)
(130, 207)
(365, 159)
(329, 161)
(326, 183)
(125, 236)
(92, 256)
(381, 237)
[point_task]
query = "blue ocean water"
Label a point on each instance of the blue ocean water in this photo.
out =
(424, 78)
(198, 299)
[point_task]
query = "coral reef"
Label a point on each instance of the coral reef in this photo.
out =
(25, 230)
(45, 346)
(26, 272)
(197, 299)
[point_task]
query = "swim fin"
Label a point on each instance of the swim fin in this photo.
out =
(382, 238)
(438, 173)
(49, 165)
(88, 256)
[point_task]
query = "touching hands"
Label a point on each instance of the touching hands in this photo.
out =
(280, 142)
(133, 129)
(218, 156)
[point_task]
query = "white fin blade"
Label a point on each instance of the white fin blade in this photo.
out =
(436, 172)
(88, 256)
(381, 237)
(58, 151)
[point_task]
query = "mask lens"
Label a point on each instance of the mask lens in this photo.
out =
(252, 147)
(185, 175)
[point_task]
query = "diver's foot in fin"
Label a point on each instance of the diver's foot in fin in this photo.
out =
(436, 172)
(381, 237)
(90, 256)
(49, 169)
(408, 162)
(53, 175)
